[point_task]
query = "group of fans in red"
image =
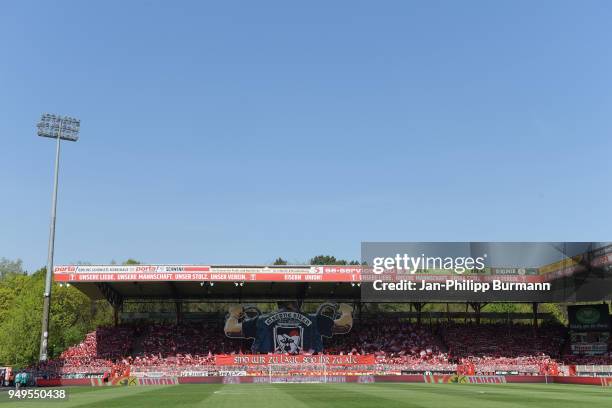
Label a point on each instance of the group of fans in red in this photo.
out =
(396, 342)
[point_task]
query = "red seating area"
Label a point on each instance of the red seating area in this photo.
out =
(490, 348)
(106, 342)
(189, 338)
(483, 348)
(192, 344)
(97, 353)
(394, 342)
(502, 340)
(390, 336)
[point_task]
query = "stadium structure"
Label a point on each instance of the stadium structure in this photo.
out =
(308, 323)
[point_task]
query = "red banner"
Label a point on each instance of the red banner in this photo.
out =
(266, 359)
(201, 277)
(206, 273)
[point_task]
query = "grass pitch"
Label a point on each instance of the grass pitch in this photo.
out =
(379, 395)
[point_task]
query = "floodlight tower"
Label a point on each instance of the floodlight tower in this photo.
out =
(60, 128)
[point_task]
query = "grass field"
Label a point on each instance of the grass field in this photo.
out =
(334, 395)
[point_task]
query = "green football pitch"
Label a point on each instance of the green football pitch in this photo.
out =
(379, 395)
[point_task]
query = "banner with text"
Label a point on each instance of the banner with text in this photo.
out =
(267, 359)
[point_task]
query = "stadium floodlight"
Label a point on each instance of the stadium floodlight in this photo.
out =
(54, 126)
(60, 128)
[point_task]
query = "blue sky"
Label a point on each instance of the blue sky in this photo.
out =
(236, 132)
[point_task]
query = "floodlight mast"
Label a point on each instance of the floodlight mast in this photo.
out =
(60, 128)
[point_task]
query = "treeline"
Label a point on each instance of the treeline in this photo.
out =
(72, 315)
(321, 260)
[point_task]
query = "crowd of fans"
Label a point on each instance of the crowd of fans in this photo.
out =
(491, 348)
(189, 338)
(502, 340)
(189, 346)
(106, 343)
(171, 348)
(393, 341)
(101, 351)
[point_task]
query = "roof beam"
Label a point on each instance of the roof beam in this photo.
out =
(111, 295)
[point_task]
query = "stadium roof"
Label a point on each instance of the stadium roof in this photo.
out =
(117, 283)
(210, 282)
(241, 291)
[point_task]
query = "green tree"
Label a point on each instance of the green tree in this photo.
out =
(9, 267)
(324, 260)
(73, 314)
(280, 261)
(331, 260)
(20, 334)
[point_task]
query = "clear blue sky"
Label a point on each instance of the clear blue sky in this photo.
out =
(237, 132)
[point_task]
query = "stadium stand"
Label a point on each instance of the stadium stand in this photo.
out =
(397, 344)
